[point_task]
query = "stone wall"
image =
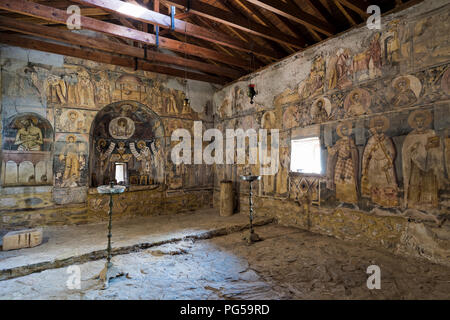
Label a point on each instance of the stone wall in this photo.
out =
(378, 100)
(55, 113)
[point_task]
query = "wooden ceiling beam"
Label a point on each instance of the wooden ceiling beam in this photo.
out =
(316, 35)
(27, 43)
(60, 16)
(358, 6)
(112, 47)
(228, 18)
(257, 15)
(260, 61)
(345, 13)
(322, 12)
(239, 54)
(286, 48)
(291, 12)
(145, 15)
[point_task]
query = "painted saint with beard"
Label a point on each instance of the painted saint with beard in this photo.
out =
(342, 166)
(378, 173)
(422, 163)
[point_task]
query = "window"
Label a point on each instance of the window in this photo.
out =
(305, 155)
(120, 169)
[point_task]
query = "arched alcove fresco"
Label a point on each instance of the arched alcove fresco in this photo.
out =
(127, 145)
(27, 151)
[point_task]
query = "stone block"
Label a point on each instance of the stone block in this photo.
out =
(22, 239)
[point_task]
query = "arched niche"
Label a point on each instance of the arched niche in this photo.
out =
(27, 151)
(127, 145)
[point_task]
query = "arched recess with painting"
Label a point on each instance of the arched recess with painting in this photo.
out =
(27, 151)
(127, 146)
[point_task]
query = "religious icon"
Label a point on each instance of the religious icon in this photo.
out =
(73, 122)
(144, 156)
(29, 136)
(158, 161)
(282, 175)
(367, 64)
(342, 165)
(340, 70)
(378, 172)
(170, 102)
(422, 157)
(357, 102)
(374, 56)
(291, 117)
(320, 110)
(314, 84)
(103, 89)
(57, 89)
(69, 155)
(121, 128)
(84, 92)
(406, 91)
(268, 122)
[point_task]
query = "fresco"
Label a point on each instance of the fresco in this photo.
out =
(70, 161)
(54, 141)
(128, 132)
(377, 154)
(423, 169)
(315, 82)
(405, 91)
(379, 180)
(27, 151)
(357, 102)
(343, 165)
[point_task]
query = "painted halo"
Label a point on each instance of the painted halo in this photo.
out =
(383, 119)
(422, 113)
(346, 124)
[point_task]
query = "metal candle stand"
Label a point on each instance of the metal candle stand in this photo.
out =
(253, 237)
(110, 271)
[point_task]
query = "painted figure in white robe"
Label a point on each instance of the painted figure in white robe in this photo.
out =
(422, 163)
(158, 161)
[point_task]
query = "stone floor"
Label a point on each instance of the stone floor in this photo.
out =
(288, 264)
(64, 242)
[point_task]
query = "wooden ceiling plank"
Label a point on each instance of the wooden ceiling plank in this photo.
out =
(143, 14)
(60, 16)
(110, 46)
(23, 42)
(287, 10)
(228, 18)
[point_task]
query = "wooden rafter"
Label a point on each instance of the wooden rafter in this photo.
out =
(358, 6)
(260, 19)
(254, 12)
(56, 15)
(27, 43)
(228, 18)
(345, 13)
(112, 47)
(148, 16)
(291, 12)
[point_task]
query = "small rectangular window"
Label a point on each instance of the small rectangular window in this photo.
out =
(305, 155)
(120, 172)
